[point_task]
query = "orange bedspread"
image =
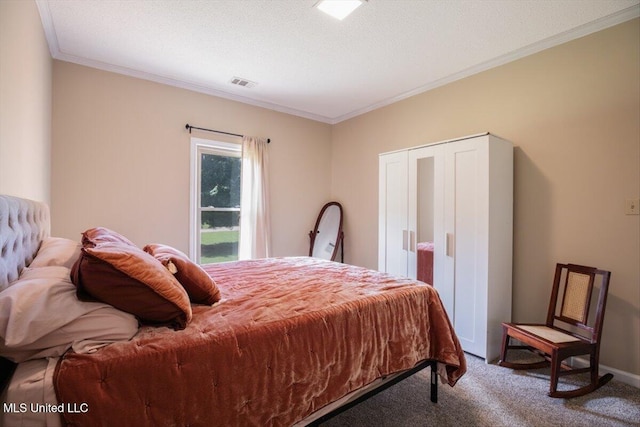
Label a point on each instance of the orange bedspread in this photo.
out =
(289, 336)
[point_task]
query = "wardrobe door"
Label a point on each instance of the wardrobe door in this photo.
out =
(393, 233)
(426, 196)
(466, 229)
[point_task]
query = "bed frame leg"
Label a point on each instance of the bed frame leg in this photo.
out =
(434, 382)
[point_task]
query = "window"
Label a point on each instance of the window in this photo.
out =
(215, 200)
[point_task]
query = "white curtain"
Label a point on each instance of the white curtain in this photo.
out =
(255, 228)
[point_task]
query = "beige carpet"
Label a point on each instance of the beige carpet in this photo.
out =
(489, 395)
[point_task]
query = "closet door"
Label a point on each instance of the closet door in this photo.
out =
(393, 233)
(466, 246)
(426, 222)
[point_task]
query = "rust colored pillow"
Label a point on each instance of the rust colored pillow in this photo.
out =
(202, 289)
(95, 236)
(133, 281)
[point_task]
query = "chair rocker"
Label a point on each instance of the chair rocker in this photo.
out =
(566, 332)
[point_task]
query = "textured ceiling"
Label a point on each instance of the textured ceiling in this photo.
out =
(303, 61)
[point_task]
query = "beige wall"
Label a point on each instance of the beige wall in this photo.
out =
(121, 158)
(573, 114)
(25, 102)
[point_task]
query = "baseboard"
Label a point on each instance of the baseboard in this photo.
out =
(622, 376)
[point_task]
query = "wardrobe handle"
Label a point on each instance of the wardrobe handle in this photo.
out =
(448, 244)
(404, 240)
(412, 241)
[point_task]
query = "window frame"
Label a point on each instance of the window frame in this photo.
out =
(199, 146)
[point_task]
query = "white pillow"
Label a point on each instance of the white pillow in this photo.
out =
(86, 334)
(56, 251)
(40, 316)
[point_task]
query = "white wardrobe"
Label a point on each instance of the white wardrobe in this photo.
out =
(455, 198)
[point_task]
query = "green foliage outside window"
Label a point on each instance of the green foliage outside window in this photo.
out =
(220, 188)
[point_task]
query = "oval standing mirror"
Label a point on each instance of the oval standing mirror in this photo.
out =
(327, 235)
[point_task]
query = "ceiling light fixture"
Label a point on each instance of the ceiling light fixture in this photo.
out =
(339, 9)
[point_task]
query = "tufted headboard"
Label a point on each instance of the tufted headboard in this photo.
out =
(23, 225)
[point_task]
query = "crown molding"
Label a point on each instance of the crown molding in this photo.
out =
(575, 33)
(184, 84)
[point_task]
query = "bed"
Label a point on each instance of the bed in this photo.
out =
(288, 341)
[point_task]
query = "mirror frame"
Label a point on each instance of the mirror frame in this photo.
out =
(339, 236)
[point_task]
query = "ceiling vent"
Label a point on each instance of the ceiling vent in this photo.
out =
(242, 82)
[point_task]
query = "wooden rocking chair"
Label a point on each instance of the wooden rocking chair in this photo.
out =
(566, 332)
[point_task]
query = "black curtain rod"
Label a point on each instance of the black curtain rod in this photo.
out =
(189, 127)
